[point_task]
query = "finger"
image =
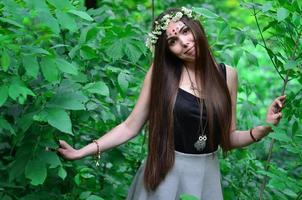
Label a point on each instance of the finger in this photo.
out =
(283, 97)
(62, 152)
(64, 144)
(278, 103)
(277, 115)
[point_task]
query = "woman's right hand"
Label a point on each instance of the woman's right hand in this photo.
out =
(67, 151)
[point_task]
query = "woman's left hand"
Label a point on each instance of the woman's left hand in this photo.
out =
(274, 114)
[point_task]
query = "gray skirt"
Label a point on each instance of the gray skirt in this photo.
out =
(193, 174)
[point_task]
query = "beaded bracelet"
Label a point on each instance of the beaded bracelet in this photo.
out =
(252, 136)
(98, 154)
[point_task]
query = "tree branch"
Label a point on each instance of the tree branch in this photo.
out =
(285, 82)
(266, 48)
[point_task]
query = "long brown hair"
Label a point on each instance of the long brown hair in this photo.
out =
(166, 74)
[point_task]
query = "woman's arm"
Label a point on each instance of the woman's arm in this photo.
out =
(242, 138)
(121, 133)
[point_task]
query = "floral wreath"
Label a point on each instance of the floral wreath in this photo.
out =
(163, 23)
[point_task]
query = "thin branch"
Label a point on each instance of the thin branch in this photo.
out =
(269, 156)
(139, 67)
(153, 5)
(286, 80)
(263, 40)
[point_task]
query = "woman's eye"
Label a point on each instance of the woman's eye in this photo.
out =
(186, 30)
(171, 42)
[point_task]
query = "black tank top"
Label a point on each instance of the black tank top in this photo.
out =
(186, 122)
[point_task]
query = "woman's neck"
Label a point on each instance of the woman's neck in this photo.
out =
(190, 65)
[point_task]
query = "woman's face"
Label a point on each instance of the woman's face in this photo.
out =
(181, 41)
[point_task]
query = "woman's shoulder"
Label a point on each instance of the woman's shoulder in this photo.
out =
(231, 72)
(232, 78)
(230, 68)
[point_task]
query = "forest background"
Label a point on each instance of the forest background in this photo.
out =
(72, 73)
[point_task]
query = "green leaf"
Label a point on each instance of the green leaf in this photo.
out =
(291, 64)
(132, 52)
(97, 88)
(66, 67)
(50, 158)
(6, 126)
(17, 90)
(267, 6)
(187, 197)
(282, 13)
(5, 60)
(77, 179)
(87, 52)
(277, 184)
(205, 12)
(24, 122)
(3, 94)
(122, 81)
(270, 24)
(295, 127)
(22, 157)
(94, 197)
(66, 21)
(280, 136)
(81, 14)
(73, 51)
(46, 18)
(85, 195)
(41, 116)
(296, 19)
(62, 173)
(12, 22)
(59, 119)
(69, 100)
(49, 69)
(290, 193)
(240, 37)
(31, 65)
(6, 197)
(115, 51)
(60, 4)
(251, 59)
(36, 171)
(237, 57)
(36, 50)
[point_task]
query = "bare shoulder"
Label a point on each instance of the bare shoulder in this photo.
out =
(148, 75)
(231, 72)
(232, 78)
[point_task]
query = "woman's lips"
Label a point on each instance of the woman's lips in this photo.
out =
(190, 51)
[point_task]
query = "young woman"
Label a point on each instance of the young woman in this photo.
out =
(189, 102)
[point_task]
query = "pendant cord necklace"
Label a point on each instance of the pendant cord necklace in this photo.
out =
(200, 144)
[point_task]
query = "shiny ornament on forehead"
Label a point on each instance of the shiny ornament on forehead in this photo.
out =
(175, 31)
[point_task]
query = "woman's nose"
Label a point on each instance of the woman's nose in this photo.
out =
(184, 43)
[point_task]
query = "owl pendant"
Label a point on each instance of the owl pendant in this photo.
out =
(200, 144)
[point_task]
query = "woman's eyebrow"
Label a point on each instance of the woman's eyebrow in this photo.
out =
(184, 26)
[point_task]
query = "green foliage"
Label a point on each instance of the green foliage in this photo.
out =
(60, 74)
(187, 197)
(67, 73)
